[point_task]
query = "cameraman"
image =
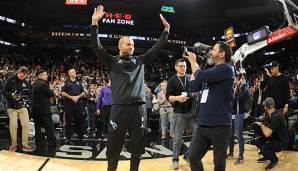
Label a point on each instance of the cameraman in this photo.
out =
(275, 132)
(15, 88)
(214, 120)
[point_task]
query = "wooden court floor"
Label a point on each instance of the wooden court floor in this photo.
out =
(10, 161)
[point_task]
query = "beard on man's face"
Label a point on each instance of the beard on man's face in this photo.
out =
(127, 52)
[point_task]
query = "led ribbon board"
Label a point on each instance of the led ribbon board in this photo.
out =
(168, 9)
(118, 18)
(76, 2)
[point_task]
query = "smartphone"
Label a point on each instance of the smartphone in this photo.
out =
(185, 51)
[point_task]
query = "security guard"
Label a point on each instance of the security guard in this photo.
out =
(73, 92)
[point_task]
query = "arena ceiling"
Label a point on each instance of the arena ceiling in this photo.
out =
(191, 16)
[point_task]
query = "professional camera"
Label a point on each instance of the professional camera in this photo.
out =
(261, 118)
(22, 98)
(201, 50)
(257, 129)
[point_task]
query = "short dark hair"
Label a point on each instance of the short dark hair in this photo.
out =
(179, 60)
(106, 80)
(23, 69)
(40, 72)
(225, 47)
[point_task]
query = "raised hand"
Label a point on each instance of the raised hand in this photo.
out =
(97, 14)
(191, 57)
(165, 23)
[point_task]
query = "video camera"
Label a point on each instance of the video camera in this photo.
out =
(261, 118)
(257, 129)
(201, 50)
(22, 98)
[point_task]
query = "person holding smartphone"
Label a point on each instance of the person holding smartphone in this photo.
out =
(179, 94)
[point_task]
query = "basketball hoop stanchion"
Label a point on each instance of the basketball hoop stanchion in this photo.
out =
(282, 34)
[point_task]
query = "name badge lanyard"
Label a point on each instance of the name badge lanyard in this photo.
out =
(183, 85)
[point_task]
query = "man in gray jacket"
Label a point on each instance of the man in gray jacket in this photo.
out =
(128, 85)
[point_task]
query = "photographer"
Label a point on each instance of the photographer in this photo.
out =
(275, 132)
(214, 120)
(16, 90)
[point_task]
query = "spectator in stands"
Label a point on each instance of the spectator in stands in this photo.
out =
(166, 112)
(278, 88)
(91, 110)
(149, 104)
(239, 94)
(258, 97)
(104, 105)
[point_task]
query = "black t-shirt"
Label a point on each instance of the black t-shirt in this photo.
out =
(91, 104)
(279, 127)
(73, 88)
(279, 89)
(175, 87)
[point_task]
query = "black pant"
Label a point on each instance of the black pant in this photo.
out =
(296, 126)
(123, 118)
(92, 119)
(75, 113)
(204, 137)
(44, 121)
(148, 118)
(269, 148)
(258, 110)
(106, 110)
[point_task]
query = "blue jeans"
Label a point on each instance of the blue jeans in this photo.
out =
(237, 128)
(167, 118)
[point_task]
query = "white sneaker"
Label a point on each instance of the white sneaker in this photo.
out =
(175, 165)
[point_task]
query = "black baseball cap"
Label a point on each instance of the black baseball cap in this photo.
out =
(273, 64)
